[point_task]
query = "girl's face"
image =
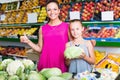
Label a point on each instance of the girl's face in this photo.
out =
(76, 29)
(52, 11)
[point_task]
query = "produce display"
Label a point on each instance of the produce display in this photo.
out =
(64, 12)
(111, 62)
(97, 74)
(15, 32)
(25, 69)
(13, 51)
(99, 55)
(88, 11)
(101, 32)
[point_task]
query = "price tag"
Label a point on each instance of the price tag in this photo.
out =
(74, 15)
(2, 17)
(107, 16)
(94, 28)
(32, 17)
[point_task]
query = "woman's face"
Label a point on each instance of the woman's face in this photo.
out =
(76, 29)
(52, 11)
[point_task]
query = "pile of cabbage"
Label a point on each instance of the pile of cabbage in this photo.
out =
(73, 52)
(25, 69)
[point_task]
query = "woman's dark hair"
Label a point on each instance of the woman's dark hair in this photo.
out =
(53, 1)
(57, 3)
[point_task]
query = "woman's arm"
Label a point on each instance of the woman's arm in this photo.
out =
(36, 47)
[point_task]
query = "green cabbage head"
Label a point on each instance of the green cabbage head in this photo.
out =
(73, 52)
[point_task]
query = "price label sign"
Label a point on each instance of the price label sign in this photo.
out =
(32, 17)
(74, 15)
(2, 17)
(107, 16)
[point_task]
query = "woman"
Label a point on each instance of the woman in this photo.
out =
(52, 39)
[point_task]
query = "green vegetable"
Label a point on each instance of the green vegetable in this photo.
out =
(4, 63)
(42, 77)
(15, 67)
(66, 76)
(23, 76)
(29, 65)
(2, 77)
(56, 78)
(48, 72)
(13, 77)
(34, 76)
(73, 52)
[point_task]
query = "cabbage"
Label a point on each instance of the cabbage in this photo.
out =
(13, 77)
(34, 76)
(3, 75)
(23, 76)
(66, 76)
(56, 78)
(4, 63)
(42, 77)
(73, 52)
(48, 72)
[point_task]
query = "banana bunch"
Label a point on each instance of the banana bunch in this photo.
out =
(19, 16)
(8, 14)
(26, 5)
(3, 7)
(42, 15)
(12, 17)
(35, 3)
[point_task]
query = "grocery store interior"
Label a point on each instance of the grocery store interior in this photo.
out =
(101, 19)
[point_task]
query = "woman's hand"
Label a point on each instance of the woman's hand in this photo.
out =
(67, 61)
(24, 39)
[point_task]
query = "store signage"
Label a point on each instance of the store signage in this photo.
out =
(32, 17)
(2, 17)
(74, 15)
(107, 16)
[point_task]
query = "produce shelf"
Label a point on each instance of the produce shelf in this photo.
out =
(15, 40)
(25, 24)
(101, 23)
(107, 44)
(84, 23)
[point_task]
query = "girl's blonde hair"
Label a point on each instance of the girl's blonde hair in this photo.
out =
(76, 20)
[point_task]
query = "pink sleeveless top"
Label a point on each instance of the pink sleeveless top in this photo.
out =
(54, 40)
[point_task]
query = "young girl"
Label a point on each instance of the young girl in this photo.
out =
(84, 62)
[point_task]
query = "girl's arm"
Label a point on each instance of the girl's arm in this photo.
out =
(91, 58)
(36, 47)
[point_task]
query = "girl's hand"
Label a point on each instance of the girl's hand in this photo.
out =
(82, 56)
(24, 39)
